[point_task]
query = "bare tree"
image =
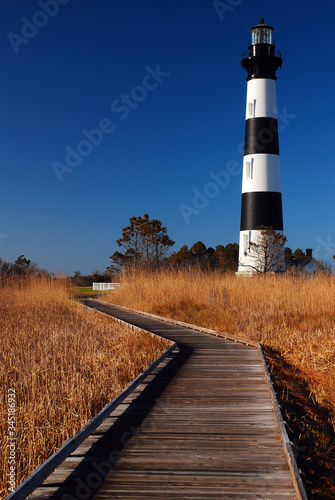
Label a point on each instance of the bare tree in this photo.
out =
(268, 251)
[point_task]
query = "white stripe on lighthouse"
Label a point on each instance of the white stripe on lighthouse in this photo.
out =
(261, 98)
(261, 172)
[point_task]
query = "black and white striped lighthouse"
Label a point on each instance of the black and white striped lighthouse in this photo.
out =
(261, 189)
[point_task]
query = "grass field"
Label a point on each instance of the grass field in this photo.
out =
(64, 363)
(293, 318)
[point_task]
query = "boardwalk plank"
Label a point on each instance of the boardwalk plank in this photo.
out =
(202, 425)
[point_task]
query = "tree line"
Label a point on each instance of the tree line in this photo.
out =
(21, 267)
(146, 244)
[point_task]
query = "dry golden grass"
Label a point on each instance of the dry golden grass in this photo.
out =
(65, 363)
(292, 315)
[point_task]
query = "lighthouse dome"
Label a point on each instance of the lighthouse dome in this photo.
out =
(261, 33)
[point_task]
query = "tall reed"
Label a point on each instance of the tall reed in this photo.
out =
(291, 314)
(65, 363)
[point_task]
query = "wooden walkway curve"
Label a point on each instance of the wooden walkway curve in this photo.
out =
(202, 426)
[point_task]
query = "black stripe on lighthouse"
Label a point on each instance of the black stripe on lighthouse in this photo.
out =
(261, 136)
(262, 208)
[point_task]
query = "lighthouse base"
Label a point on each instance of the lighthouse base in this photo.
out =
(246, 274)
(260, 253)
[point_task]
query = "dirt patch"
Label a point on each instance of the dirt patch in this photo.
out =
(310, 427)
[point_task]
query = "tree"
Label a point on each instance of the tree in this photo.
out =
(131, 238)
(97, 277)
(158, 239)
(226, 257)
(118, 260)
(268, 251)
(10, 269)
(210, 258)
(22, 262)
(298, 254)
(288, 254)
(199, 253)
(182, 258)
(146, 242)
(325, 267)
(223, 258)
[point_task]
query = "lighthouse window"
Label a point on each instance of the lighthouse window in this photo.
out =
(251, 108)
(249, 169)
(245, 242)
(261, 35)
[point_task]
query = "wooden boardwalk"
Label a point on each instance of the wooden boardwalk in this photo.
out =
(201, 426)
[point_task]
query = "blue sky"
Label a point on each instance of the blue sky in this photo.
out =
(162, 81)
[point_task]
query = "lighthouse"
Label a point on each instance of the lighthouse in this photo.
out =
(261, 188)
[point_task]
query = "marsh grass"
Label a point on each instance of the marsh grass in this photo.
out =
(289, 314)
(65, 363)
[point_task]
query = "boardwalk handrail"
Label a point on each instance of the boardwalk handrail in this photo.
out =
(37, 477)
(298, 484)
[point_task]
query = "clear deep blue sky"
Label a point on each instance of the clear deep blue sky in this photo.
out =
(62, 77)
